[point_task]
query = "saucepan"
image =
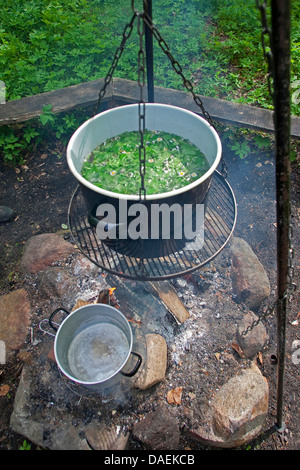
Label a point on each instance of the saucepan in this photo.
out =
(93, 345)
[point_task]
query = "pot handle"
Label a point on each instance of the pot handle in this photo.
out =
(136, 367)
(53, 315)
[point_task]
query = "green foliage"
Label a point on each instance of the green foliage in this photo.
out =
(12, 146)
(172, 162)
(47, 116)
(25, 446)
(243, 141)
(17, 140)
(47, 45)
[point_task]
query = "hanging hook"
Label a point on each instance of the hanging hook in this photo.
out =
(145, 6)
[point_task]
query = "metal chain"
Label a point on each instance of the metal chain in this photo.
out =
(125, 36)
(141, 81)
(266, 33)
(144, 18)
(141, 104)
(187, 83)
(291, 287)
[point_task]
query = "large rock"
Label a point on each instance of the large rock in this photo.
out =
(159, 430)
(237, 412)
(15, 312)
(40, 427)
(41, 251)
(250, 283)
(100, 437)
(57, 282)
(156, 363)
(255, 339)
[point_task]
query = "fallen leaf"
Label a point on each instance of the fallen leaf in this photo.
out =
(217, 355)
(192, 395)
(4, 389)
(238, 349)
(260, 358)
(174, 395)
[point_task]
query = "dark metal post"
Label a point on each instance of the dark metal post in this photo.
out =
(149, 53)
(281, 74)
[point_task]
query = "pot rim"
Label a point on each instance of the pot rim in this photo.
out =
(136, 197)
(84, 307)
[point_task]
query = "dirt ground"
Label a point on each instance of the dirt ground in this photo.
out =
(40, 192)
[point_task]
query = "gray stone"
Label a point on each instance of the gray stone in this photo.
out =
(250, 283)
(15, 313)
(159, 430)
(83, 266)
(237, 412)
(156, 363)
(41, 251)
(252, 342)
(6, 213)
(56, 282)
(99, 437)
(40, 428)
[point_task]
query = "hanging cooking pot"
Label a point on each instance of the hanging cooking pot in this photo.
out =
(93, 345)
(158, 117)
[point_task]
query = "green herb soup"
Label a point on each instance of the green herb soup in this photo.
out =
(171, 163)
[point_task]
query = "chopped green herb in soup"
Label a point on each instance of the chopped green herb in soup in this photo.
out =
(171, 163)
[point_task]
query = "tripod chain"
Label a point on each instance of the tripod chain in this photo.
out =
(125, 36)
(187, 83)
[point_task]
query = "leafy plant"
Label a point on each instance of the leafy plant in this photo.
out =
(16, 141)
(243, 141)
(241, 149)
(50, 45)
(25, 446)
(47, 116)
(172, 162)
(11, 146)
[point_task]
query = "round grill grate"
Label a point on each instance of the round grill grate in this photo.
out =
(219, 224)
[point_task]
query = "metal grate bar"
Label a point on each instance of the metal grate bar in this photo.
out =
(219, 225)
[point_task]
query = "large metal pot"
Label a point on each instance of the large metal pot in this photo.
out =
(158, 117)
(93, 345)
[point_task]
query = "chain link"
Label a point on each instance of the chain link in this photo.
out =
(187, 83)
(125, 36)
(143, 18)
(141, 104)
(266, 36)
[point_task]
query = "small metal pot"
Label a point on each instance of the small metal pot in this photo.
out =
(93, 344)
